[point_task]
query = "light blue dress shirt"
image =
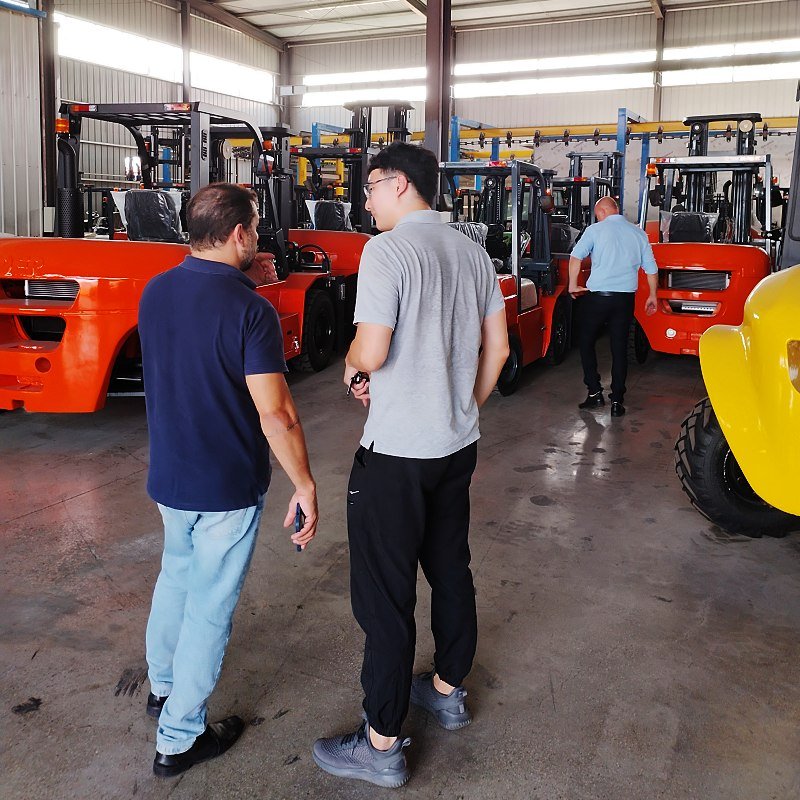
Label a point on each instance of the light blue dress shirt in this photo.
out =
(618, 248)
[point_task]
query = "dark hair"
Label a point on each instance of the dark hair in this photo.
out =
(416, 163)
(215, 211)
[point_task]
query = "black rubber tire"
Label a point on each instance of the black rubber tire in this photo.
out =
(560, 333)
(638, 345)
(319, 333)
(715, 484)
(511, 374)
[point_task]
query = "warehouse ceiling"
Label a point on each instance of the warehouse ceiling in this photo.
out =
(312, 20)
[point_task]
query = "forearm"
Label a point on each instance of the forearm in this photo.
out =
(489, 369)
(574, 270)
(652, 282)
(288, 442)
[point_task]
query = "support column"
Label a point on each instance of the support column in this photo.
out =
(657, 71)
(186, 47)
(438, 57)
(47, 104)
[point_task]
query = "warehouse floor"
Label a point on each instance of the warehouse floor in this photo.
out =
(628, 650)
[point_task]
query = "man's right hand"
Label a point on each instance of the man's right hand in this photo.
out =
(358, 390)
(576, 291)
(306, 497)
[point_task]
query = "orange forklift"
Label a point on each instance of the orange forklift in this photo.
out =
(69, 305)
(713, 243)
(513, 216)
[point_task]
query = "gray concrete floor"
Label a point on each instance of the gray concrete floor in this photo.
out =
(627, 649)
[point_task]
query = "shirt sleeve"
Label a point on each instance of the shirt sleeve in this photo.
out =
(494, 297)
(263, 341)
(648, 259)
(379, 287)
(585, 244)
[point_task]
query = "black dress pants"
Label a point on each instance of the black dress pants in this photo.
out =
(403, 512)
(596, 311)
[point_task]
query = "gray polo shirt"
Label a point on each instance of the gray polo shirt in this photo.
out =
(433, 286)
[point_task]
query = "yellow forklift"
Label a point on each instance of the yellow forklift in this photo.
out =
(737, 456)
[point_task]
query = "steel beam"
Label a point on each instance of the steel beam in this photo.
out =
(186, 49)
(48, 103)
(438, 52)
(232, 21)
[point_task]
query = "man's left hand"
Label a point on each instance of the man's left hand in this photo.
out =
(651, 305)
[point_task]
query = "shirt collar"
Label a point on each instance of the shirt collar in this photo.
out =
(216, 268)
(425, 216)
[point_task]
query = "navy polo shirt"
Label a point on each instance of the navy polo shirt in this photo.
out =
(203, 328)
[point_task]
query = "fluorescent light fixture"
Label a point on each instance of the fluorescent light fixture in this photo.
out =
(566, 62)
(372, 76)
(703, 51)
(697, 77)
(226, 77)
(534, 86)
(339, 98)
(108, 47)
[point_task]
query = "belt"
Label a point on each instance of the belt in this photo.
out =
(610, 294)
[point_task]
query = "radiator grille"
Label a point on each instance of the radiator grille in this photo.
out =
(51, 290)
(697, 279)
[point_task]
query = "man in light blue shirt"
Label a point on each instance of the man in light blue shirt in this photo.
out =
(618, 249)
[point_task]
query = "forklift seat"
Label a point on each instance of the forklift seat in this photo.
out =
(474, 230)
(690, 226)
(152, 216)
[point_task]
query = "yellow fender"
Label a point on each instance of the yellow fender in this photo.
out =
(752, 375)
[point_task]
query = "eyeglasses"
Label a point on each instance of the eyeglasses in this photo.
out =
(368, 187)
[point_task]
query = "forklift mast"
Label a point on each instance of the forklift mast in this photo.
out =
(700, 186)
(187, 140)
(790, 244)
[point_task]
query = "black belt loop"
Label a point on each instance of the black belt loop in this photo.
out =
(372, 447)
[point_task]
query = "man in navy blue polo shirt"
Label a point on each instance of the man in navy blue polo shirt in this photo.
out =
(216, 395)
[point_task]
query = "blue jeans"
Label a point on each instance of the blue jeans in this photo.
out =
(206, 558)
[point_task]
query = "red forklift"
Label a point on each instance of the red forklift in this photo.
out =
(714, 237)
(514, 224)
(68, 307)
(351, 157)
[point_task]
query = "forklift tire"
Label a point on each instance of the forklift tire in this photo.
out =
(559, 333)
(319, 333)
(716, 485)
(638, 346)
(510, 376)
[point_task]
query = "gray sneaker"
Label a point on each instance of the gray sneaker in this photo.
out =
(450, 710)
(353, 756)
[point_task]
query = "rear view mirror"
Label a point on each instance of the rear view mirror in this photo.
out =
(445, 202)
(547, 204)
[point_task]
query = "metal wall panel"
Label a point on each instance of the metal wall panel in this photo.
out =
(769, 98)
(216, 40)
(564, 39)
(740, 23)
(20, 143)
(556, 109)
(366, 54)
(156, 19)
(105, 145)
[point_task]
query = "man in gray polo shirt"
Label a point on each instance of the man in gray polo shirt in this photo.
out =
(432, 340)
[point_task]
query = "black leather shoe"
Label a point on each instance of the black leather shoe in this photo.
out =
(593, 400)
(216, 739)
(617, 409)
(154, 705)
